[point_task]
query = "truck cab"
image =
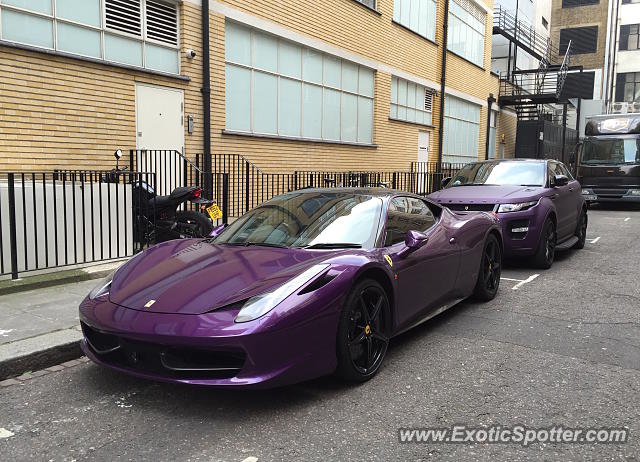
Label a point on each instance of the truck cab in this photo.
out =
(609, 159)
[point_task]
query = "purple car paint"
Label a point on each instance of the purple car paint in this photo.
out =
(525, 195)
(171, 312)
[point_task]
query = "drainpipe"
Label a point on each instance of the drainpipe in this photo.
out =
(443, 76)
(206, 100)
(490, 101)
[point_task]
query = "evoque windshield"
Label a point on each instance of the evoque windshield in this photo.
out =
(308, 219)
(500, 173)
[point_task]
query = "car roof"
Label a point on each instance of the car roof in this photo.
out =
(377, 192)
(512, 160)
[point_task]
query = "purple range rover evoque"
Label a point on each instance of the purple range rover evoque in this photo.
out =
(308, 283)
(538, 202)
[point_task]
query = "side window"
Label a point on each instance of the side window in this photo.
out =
(406, 214)
(565, 171)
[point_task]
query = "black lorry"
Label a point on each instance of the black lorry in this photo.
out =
(609, 159)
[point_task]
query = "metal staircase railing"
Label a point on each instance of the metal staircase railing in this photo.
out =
(564, 69)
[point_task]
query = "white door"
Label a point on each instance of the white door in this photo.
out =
(160, 130)
(423, 159)
(423, 147)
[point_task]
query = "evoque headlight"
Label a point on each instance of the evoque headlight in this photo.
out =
(516, 207)
(260, 305)
(103, 287)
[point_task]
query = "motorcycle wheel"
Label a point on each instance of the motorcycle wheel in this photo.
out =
(192, 224)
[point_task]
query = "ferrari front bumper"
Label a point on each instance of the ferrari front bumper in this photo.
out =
(210, 349)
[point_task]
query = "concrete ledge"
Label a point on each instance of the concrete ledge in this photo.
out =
(10, 286)
(39, 352)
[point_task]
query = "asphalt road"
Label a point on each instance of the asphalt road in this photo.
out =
(562, 348)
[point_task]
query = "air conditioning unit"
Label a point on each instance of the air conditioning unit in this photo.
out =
(618, 108)
(634, 107)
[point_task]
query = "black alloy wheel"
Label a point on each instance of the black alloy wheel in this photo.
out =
(545, 254)
(490, 270)
(581, 232)
(363, 331)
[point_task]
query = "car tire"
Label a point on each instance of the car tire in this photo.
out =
(192, 224)
(363, 338)
(546, 251)
(581, 230)
(490, 269)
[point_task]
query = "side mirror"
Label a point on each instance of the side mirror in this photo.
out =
(445, 182)
(413, 241)
(217, 230)
(560, 180)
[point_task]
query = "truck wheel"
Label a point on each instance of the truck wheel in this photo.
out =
(546, 251)
(581, 231)
(192, 224)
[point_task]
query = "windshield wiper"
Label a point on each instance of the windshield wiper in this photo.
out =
(264, 244)
(334, 245)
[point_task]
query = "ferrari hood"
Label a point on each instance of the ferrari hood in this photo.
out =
(485, 194)
(194, 276)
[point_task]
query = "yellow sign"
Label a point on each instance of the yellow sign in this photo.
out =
(214, 211)
(388, 258)
(149, 303)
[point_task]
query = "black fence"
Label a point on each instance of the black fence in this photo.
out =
(249, 185)
(57, 219)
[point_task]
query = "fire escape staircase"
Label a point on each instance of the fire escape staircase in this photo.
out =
(528, 90)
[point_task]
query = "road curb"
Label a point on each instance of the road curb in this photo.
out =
(40, 352)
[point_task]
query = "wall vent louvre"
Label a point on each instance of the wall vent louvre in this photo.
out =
(162, 22)
(123, 16)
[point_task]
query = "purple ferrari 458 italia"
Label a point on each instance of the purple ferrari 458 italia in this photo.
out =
(538, 202)
(309, 283)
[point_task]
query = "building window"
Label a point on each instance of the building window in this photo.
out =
(461, 130)
(628, 87)
(629, 37)
(416, 15)
(466, 30)
(545, 23)
(410, 102)
(276, 87)
(624, 2)
(142, 33)
(370, 3)
(574, 3)
(583, 40)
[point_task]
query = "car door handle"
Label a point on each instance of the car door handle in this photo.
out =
(452, 240)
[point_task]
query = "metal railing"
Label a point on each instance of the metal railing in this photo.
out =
(249, 185)
(524, 33)
(58, 219)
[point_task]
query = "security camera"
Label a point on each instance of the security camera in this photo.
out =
(190, 54)
(118, 154)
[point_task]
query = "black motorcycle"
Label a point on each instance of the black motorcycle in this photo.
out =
(157, 218)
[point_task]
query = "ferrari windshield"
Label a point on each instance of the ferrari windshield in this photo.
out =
(308, 219)
(615, 151)
(516, 173)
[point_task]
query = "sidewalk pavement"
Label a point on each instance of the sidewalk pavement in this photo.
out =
(40, 327)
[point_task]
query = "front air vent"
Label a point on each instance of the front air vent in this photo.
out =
(124, 16)
(320, 282)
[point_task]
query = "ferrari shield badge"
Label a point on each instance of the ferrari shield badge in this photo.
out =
(149, 303)
(388, 258)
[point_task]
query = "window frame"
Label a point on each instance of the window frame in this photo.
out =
(453, 119)
(102, 30)
(405, 106)
(408, 27)
(468, 25)
(562, 46)
(579, 3)
(435, 210)
(625, 31)
(253, 68)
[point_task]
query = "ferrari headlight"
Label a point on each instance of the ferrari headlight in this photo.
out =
(516, 207)
(261, 304)
(103, 287)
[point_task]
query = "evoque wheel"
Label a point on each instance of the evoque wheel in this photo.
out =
(363, 331)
